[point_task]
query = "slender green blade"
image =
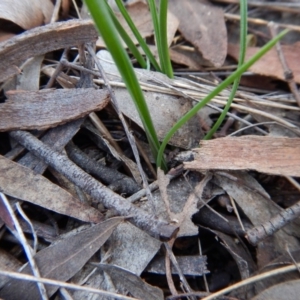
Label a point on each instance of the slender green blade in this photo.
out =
(102, 18)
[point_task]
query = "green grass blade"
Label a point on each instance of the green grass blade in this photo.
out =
(243, 46)
(154, 15)
(104, 23)
(216, 91)
(137, 34)
(165, 61)
(128, 41)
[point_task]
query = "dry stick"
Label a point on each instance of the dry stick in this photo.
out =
(145, 221)
(261, 21)
(66, 285)
(128, 133)
(258, 233)
(175, 263)
(288, 74)
(170, 281)
(121, 182)
(21, 237)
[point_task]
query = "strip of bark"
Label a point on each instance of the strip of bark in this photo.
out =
(42, 40)
(53, 107)
(155, 227)
(271, 155)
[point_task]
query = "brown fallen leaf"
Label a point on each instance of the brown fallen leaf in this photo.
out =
(42, 40)
(62, 260)
(204, 27)
(186, 56)
(21, 183)
(26, 13)
(271, 155)
(48, 108)
(269, 64)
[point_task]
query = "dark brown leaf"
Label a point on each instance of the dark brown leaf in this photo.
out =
(48, 108)
(62, 260)
(21, 183)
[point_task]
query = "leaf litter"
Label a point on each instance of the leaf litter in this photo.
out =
(124, 254)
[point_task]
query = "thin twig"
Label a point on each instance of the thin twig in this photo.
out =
(145, 221)
(288, 74)
(258, 233)
(66, 285)
(128, 133)
(175, 263)
(21, 237)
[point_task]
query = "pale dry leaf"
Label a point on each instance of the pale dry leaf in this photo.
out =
(136, 286)
(131, 248)
(191, 265)
(271, 155)
(269, 64)
(62, 260)
(21, 183)
(289, 290)
(204, 27)
(26, 13)
(53, 107)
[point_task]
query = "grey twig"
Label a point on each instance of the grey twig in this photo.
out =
(145, 221)
(258, 233)
(120, 182)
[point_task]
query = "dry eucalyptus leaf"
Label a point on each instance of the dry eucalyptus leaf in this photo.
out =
(26, 13)
(271, 155)
(204, 27)
(136, 286)
(42, 40)
(269, 64)
(62, 260)
(192, 265)
(21, 183)
(128, 242)
(48, 108)
(289, 290)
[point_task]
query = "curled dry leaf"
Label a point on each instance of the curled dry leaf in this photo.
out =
(26, 13)
(62, 260)
(21, 183)
(42, 40)
(53, 107)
